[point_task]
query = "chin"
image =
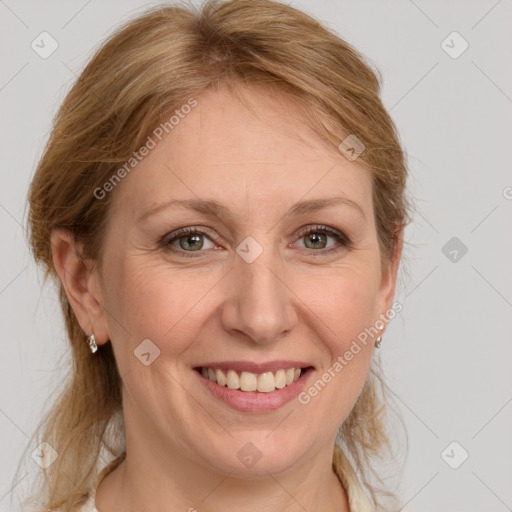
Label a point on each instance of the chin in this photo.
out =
(256, 456)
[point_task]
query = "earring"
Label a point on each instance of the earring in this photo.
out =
(92, 343)
(379, 339)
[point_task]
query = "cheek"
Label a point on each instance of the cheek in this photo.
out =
(153, 301)
(351, 315)
(345, 303)
(344, 314)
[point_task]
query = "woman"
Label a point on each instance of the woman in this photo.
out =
(222, 202)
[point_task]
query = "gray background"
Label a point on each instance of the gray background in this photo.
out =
(448, 354)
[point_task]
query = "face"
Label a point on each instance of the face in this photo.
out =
(242, 243)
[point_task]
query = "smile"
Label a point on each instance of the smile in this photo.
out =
(248, 381)
(267, 388)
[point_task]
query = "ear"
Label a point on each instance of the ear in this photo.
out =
(81, 284)
(389, 275)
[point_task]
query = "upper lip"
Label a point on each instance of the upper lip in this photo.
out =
(251, 366)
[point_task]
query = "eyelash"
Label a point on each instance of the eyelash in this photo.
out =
(342, 240)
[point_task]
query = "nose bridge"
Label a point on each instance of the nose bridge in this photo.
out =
(260, 303)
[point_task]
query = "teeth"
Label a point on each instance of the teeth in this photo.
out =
(280, 379)
(266, 382)
(248, 381)
(233, 380)
(221, 378)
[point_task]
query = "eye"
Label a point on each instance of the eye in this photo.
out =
(189, 240)
(319, 239)
(322, 238)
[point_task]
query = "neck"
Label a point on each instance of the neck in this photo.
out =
(172, 482)
(162, 473)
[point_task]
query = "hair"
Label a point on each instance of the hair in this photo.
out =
(149, 67)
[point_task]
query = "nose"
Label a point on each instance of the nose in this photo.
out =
(260, 303)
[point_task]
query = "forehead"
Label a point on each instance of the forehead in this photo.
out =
(257, 150)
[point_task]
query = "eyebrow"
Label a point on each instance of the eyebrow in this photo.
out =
(212, 208)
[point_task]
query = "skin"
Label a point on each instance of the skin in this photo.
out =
(292, 303)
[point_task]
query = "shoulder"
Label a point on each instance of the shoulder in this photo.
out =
(88, 503)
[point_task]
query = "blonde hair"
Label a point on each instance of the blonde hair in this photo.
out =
(148, 68)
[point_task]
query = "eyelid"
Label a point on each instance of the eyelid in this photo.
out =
(311, 228)
(202, 230)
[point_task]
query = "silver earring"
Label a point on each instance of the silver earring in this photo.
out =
(379, 339)
(92, 343)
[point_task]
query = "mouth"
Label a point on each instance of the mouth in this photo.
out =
(257, 388)
(254, 381)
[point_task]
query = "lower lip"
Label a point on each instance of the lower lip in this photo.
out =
(254, 401)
